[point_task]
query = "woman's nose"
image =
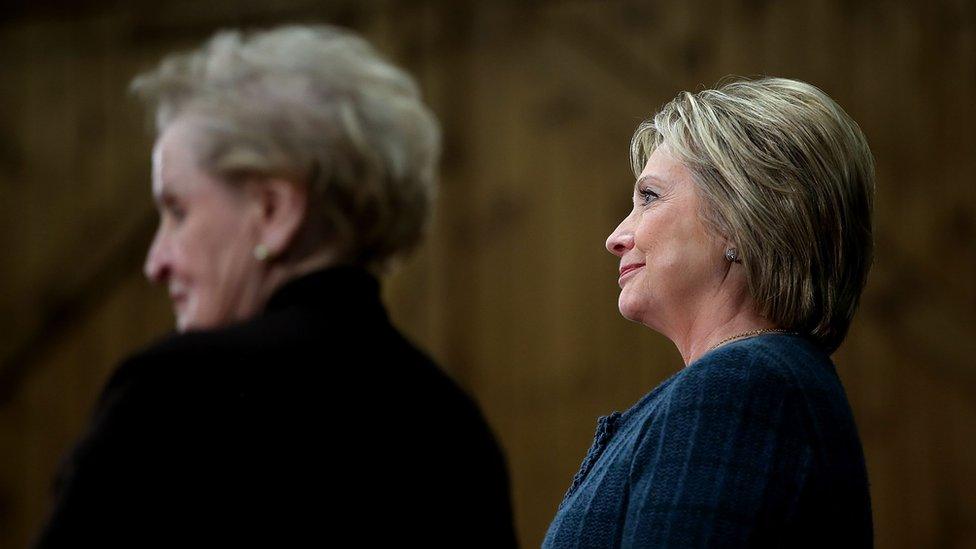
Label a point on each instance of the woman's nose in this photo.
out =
(156, 267)
(620, 241)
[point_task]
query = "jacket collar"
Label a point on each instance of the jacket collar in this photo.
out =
(332, 288)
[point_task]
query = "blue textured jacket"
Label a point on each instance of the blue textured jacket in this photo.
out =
(752, 445)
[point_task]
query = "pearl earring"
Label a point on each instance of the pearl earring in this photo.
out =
(261, 252)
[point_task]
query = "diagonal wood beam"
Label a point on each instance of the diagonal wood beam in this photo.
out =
(64, 305)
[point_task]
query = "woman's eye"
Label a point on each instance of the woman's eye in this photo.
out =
(177, 213)
(646, 195)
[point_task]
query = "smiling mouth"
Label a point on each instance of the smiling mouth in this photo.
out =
(624, 271)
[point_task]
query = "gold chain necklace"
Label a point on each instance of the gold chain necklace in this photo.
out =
(749, 334)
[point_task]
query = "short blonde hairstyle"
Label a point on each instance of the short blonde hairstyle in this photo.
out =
(317, 104)
(788, 177)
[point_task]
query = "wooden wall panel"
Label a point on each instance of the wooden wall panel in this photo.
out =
(513, 291)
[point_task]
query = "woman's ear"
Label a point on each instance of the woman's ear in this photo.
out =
(283, 206)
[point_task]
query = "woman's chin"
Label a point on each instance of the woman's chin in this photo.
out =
(187, 322)
(182, 324)
(629, 310)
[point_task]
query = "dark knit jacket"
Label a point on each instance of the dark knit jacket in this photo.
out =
(752, 445)
(315, 424)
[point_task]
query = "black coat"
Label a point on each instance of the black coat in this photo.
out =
(316, 422)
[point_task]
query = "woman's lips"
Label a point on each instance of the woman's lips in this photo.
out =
(627, 269)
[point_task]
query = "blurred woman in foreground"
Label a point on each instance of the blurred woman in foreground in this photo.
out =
(748, 246)
(291, 168)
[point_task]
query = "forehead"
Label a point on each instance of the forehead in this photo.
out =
(662, 169)
(174, 165)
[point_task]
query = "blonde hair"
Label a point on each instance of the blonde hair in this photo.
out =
(788, 177)
(316, 104)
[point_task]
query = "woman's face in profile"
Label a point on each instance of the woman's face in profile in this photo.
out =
(203, 248)
(668, 259)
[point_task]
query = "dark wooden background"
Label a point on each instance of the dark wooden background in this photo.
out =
(513, 291)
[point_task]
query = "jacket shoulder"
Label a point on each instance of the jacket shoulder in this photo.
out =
(776, 363)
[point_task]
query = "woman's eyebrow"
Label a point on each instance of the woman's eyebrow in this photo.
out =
(164, 199)
(645, 178)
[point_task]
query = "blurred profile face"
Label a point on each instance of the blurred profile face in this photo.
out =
(203, 248)
(670, 264)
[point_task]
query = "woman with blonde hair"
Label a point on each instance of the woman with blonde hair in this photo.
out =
(291, 168)
(748, 246)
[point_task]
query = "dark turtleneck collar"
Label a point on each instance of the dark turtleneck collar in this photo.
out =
(332, 287)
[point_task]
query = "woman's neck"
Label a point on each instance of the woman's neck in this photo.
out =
(280, 273)
(719, 322)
